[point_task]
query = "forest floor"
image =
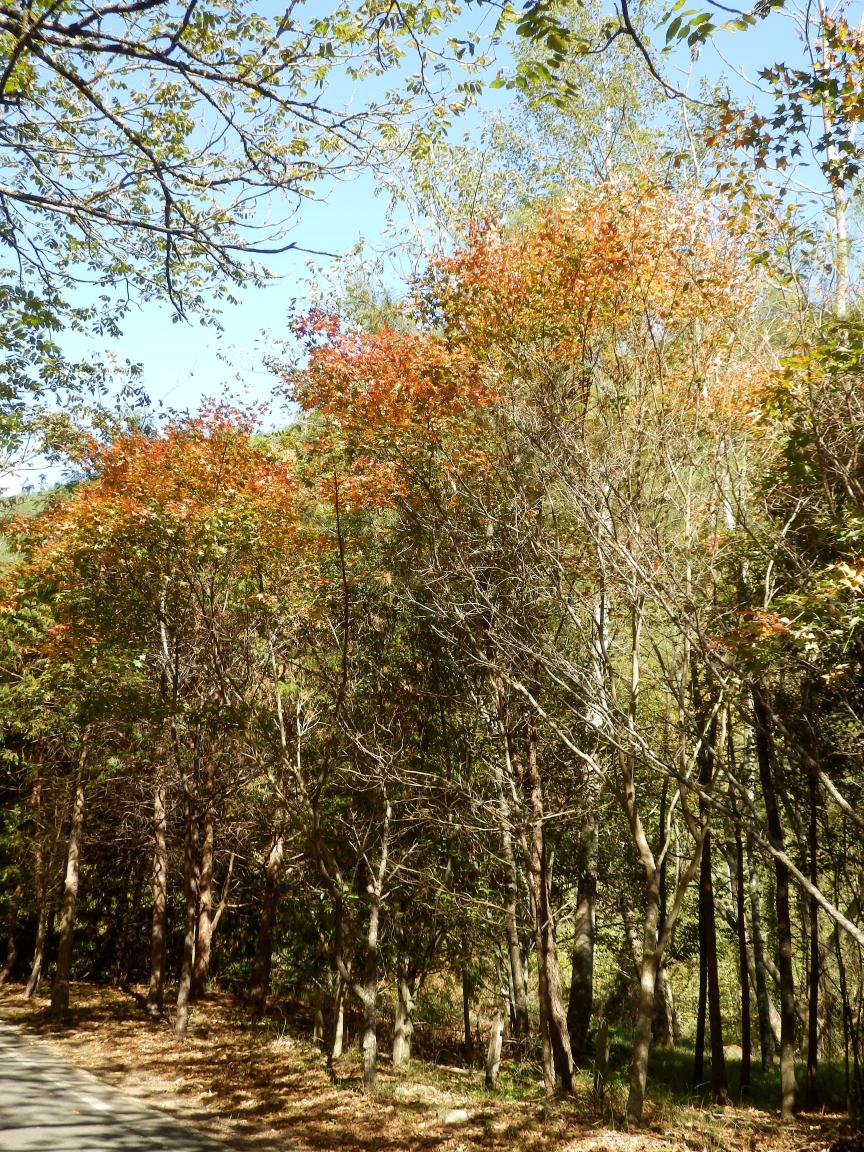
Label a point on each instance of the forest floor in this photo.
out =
(262, 1087)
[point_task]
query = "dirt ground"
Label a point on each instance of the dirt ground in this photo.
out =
(261, 1087)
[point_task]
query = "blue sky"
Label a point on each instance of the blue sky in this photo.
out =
(184, 362)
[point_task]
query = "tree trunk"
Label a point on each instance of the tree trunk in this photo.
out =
(655, 939)
(43, 900)
(204, 935)
(709, 979)
(11, 924)
(260, 981)
(493, 1052)
(370, 996)
(468, 1043)
(44, 919)
(511, 919)
(159, 928)
(557, 1056)
(601, 1060)
(60, 988)
(701, 1005)
(367, 991)
(784, 919)
(190, 899)
(337, 1030)
(663, 1024)
(719, 1082)
(645, 1007)
(769, 1023)
(403, 1026)
(131, 917)
(664, 1027)
(521, 1023)
(580, 1001)
(813, 908)
(743, 961)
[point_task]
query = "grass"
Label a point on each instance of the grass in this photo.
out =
(263, 1086)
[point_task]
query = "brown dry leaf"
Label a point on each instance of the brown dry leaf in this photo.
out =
(264, 1090)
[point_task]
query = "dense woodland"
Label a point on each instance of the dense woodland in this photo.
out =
(516, 677)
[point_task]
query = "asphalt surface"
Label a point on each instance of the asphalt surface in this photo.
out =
(46, 1105)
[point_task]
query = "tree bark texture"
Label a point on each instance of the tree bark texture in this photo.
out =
(645, 1007)
(260, 980)
(518, 983)
(511, 916)
(370, 995)
(769, 1021)
(784, 920)
(8, 968)
(493, 1052)
(190, 902)
(403, 1025)
(815, 963)
(43, 920)
(204, 932)
(60, 988)
(557, 1056)
(581, 998)
(719, 1082)
(159, 925)
(743, 962)
(467, 991)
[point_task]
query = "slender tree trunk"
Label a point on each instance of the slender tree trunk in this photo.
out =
(493, 1052)
(651, 954)
(511, 924)
(701, 1004)
(580, 1002)
(719, 1082)
(403, 1026)
(60, 989)
(709, 980)
(663, 1024)
(131, 917)
(784, 919)
(367, 991)
(521, 1023)
(335, 1033)
(43, 902)
(815, 966)
(468, 1042)
(743, 961)
(847, 1015)
(337, 1030)
(769, 1037)
(11, 924)
(43, 920)
(204, 935)
(159, 927)
(557, 1056)
(190, 900)
(261, 967)
(370, 996)
(655, 939)
(645, 1007)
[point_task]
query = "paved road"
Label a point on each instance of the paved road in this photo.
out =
(48, 1106)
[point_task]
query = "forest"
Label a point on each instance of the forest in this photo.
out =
(498, 703)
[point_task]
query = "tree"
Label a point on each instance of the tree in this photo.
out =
(144, 144)
(551, 370)
(179, 529)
